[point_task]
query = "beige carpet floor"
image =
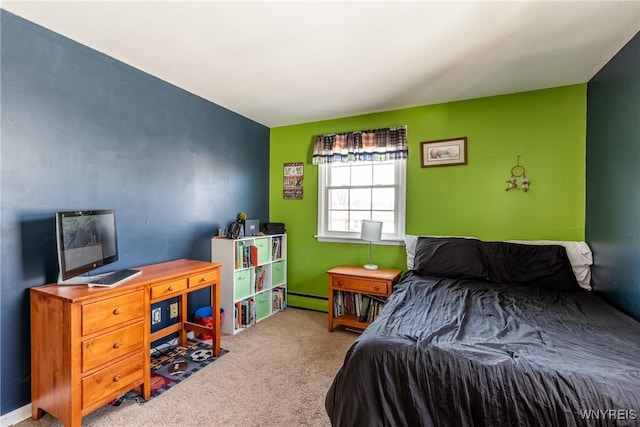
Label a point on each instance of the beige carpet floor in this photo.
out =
(276, 373)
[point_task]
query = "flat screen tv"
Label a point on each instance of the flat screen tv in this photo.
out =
(86, 240)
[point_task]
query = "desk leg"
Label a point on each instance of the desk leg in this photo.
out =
(215, 307)
(146, 345)
(36, 412)
(182, 319)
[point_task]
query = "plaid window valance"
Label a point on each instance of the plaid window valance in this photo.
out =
(366, 145)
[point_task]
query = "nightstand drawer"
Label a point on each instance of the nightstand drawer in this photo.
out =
(368, 286)
(109, 346)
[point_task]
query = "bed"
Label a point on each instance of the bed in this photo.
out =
(491, 334)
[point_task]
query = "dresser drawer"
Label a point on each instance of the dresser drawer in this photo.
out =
(112, 311)
(359, 285)
(203, 279)
(110, 346)
(168, 288)
(112, 378)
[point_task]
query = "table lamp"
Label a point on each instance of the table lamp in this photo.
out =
(372, 232)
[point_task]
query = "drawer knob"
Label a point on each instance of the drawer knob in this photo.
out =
(116, 311)
(339, 282)
(117, 344)
(170, 288)
(116, 378)
(376, 287)
(204, 279)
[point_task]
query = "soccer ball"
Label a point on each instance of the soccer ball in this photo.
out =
(200, 355)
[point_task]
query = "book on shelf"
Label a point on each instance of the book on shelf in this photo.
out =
(246, 255)
(253, 258)
(339, 304)
(239, 249)
(363, 307)
(373, 309)
(238, 315)
(259, 279)
(278, 299)
(377, 298)
(247, 313)
(276, 248)
(252, 312)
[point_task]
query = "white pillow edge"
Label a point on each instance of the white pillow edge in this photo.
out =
(410, 241)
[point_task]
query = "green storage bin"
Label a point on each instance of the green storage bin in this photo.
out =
(277, 273)
(263, 305)
(242, 284)
(263, 250)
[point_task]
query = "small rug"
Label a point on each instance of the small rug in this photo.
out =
(173, 366)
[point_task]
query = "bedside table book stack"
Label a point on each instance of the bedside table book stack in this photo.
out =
(363, 307)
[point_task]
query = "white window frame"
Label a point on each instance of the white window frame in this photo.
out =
(397, 238)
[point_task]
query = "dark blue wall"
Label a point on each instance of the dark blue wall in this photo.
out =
(613, 177)
(81, 130)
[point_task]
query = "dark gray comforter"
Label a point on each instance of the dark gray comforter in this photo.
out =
(448, 352)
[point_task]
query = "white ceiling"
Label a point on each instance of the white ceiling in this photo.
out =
(282, 63)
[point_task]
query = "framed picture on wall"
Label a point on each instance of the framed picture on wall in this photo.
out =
(444, 152)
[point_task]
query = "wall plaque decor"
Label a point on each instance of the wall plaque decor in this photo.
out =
(293, 174)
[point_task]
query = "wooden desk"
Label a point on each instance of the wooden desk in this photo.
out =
(91, 345)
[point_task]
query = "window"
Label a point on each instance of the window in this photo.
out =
(351, 192)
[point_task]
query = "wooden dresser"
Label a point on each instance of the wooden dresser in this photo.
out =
(91, 345)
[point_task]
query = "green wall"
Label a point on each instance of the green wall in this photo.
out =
(546, 127)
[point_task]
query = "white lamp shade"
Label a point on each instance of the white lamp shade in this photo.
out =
(371, 230)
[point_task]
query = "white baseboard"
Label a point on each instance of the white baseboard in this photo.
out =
(14, 417)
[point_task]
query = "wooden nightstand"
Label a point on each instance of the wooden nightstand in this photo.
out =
(352, 280)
